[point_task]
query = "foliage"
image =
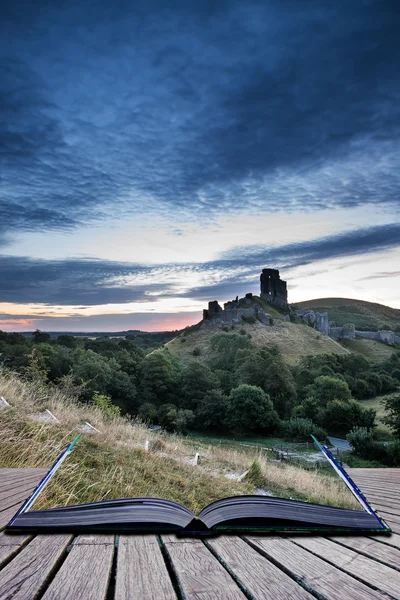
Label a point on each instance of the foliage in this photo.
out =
(264, 367)
(299, 430)
(195, 381)
(158, 378)
(249, 319)
(326, 388)
(340, 416)
(365, 447)
(361, 438)
(392, 405)
(106, 405)
(212, 411)
(225, 346)
(255, 474)
(250, 410)
(175, 419)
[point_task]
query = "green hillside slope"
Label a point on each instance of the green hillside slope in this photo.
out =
(294, 341)
(367, 316)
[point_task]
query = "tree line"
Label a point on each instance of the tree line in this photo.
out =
(239, 388)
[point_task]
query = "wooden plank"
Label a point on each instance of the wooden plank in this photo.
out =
(7, 515)
(17, 497)
(200, 574)
(316, 574)
(391, 540)
(257, 574)
(22, 488)
(7, 539)
(84, 574)
(371, 548)
(141, 570)
(389, 516)
(10, 480)
(26, 575)
(368, 570)
(89, 539)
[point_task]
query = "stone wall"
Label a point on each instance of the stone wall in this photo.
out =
(319, 321)
(232, 314)
(389, 337)
(345, 332)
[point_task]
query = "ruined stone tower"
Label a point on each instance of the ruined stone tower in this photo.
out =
(273, 289)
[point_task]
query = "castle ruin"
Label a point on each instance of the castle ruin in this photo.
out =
(274, 292)
(273, 288)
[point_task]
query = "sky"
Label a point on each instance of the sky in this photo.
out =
(155, 156)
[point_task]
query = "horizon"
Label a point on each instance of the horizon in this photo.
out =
(160, 156)
(67, 331)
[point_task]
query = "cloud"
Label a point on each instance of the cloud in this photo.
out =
(194, 110)
(91, 282)
(383, 275)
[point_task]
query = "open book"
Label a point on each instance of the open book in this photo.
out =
(237, 514)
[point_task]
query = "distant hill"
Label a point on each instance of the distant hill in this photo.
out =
(367, 316)
(294, 341)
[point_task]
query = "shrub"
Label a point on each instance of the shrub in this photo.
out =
(299, 430)
(255, 475)
(340, 416)
(183, 340)
(251, 409)
(196, 351)
(106, 405)
(392, 406)
(361, 439)
(367, 448)
(249, 319)
(393, 451)
(271, 321)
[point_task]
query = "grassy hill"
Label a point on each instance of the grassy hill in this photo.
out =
(294, 341)
(373, 350)
(367, 316)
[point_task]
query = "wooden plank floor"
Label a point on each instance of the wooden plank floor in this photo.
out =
(107, 567)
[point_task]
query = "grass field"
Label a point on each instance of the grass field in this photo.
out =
(376, 404)
(371, 349)
(113, 463)
(293, 340)
(365, 315)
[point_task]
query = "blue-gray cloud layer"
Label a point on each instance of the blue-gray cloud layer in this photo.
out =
(99, 282)
(194, 109)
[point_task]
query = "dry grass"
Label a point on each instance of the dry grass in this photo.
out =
(113, 463)
(310, 485)
(293, 340)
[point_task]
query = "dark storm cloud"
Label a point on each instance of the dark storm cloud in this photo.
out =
(192, 109)
(98, 282)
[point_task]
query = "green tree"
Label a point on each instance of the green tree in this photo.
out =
(250, 409)
(159, 378)
(326, 388)
(266, 369)
(340, 416)
(392, 408)
(39, 337)
(175, 419)
(225, 347)
(195, 381)
(212, 411)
